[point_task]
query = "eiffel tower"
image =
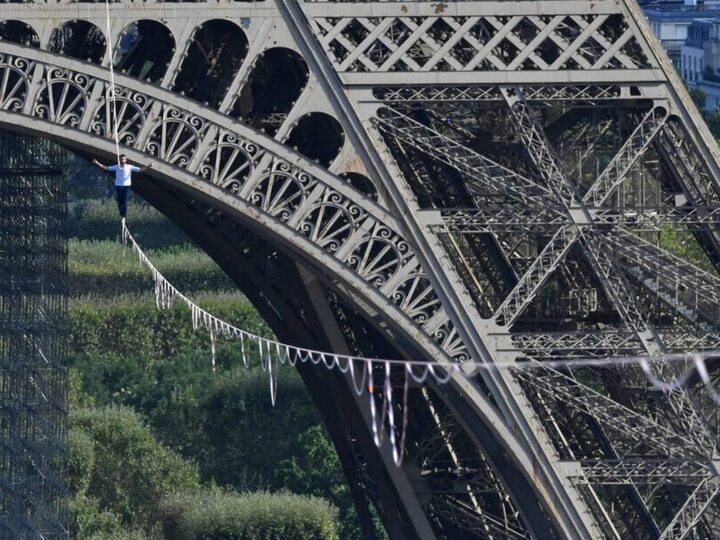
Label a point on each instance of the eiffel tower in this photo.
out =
(467, 181)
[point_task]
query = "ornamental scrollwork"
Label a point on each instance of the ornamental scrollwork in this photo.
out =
(379, 256)
(14, 82)
(416, 297)
(281, 191)
(176, 136)
(63, 96)
(311, 204)
(230, 161)
(331, 221)
(125, 109)
(451, 342)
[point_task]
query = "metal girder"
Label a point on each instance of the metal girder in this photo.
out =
(658, 218)
(608, 270)
(611, 278)
(692, 510)
(542, 267)
(615, 343)
(541, 94)
(539, 149)
(640, 471)
(482, 173)
(672, 270)
(490, 219)
(626, 157)
(630, 432)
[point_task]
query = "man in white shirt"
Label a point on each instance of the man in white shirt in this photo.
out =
(123, 180)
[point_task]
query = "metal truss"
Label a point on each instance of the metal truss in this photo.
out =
(633, 149)
(630, 432)
(614, 343)
(675, 271)
(642, 471)
(691, 512)
(450, 43)
(613, 281)
(33, 339)
(549, 218)
(488, 266)
(484, 176)
(541, 94)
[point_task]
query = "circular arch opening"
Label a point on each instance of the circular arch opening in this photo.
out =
(277, 80)
(361, 183)
(145, 50)
(213, 58)
(318, 136)
(20, 33)
(79, 39)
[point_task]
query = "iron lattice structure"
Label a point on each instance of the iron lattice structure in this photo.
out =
(33, 339)
(472, 180)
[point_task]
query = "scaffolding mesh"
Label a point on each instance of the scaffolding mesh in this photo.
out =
(33, 339)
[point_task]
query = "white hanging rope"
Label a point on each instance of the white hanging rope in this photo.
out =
(110, 94)
(362, 371)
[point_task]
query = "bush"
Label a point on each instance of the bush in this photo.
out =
(99, 220)
(81, 461)
(107, 268)
(141, 332)
(87, 520)
(132, 471)
(230, 428)
(216, 515)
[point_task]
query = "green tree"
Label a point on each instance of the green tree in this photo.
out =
(221, 515)
(131, 471)
(713, 122)
(699, 98)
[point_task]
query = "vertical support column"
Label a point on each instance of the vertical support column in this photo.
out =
(33, 344)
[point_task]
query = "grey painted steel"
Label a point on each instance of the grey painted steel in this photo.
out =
(394, 74)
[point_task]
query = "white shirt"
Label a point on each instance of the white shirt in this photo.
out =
(122, 174)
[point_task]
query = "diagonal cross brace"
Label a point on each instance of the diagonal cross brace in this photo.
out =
(617, 170)
(692, 510)
(669, 267)
(482, 172)
(541, 153)
(610, 274)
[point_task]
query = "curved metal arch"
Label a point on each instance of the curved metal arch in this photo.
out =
(329, 264)
(184, 136)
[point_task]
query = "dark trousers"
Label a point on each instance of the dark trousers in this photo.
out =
(121, 193)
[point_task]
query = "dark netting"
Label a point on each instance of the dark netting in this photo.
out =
(33, 339)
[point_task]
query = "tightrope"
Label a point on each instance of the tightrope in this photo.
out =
(362, 371)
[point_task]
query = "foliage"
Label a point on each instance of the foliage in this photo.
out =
(81, 461)
(88, 520)
(217, 515)
(699, 98)
(141, 332)
(98, 220)
(131, 470)
(106, 268)
(683, 244)
(713, 122)
(127, 353)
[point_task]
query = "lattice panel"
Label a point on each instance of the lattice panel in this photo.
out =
(489, 43)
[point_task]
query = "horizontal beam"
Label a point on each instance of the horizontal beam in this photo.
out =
(443, 78)
(460, 9)
(638, 471)
(522, 219)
